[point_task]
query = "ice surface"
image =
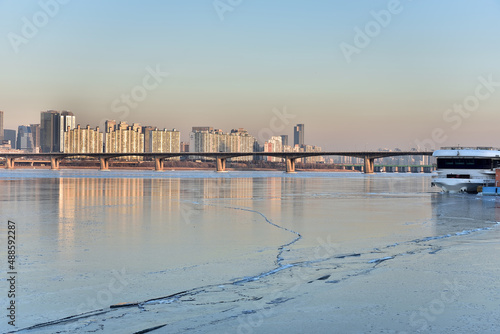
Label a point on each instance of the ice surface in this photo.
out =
(88, 240)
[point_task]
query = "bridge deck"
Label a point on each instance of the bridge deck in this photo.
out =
(220, 157)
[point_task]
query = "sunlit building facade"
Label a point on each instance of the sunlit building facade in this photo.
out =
(67, 122)
(83, 140)
(165, 141)
(274, 144)
(206, 139)
(122, 138)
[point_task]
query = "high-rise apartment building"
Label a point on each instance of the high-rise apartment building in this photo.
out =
(50, 138)
(146, 130)
(201, 141)
(83, 140)
(298, 135)
(1, 126)
(24, 138)
(109, 125)
(122, 138)
(206, 139)
(239, 140)
(165, 141)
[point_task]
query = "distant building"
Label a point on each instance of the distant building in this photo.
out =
(35, 133)
(308, 148)
(287, 148)
(5, 147)
(83, 140)
(109, 125)
(239, 140)
(202, 128)
(284, 140)
(165, 141)
(147, 137)
(122, 138)
(313, 159)
(184, 147)
(273, 145)
(201, 141)
(24, 138)
(50, 139)
(1, 126)
(298, 135)
(67, 122)
(11, 136)
(206, 139)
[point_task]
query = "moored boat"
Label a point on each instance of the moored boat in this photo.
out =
(464, 169)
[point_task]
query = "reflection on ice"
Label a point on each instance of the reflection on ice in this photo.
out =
(173, 233)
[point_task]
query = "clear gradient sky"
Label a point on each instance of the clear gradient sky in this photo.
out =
(264, 54)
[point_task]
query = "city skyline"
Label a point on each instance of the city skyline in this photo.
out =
(68, 118)
(297, 130)
(168, 63)
(60, 121)
(58, 132)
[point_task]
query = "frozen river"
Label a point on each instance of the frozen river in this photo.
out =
(88, 239)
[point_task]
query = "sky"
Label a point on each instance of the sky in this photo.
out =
(362, 74)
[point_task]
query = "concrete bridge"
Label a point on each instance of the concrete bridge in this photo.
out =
(159, 158)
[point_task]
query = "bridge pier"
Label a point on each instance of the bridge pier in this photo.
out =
(158, 164)
(417, 169)
(54, 163)
(104, 163)
(9, 163)
(290, 165)
(369, 167)
(221, 164)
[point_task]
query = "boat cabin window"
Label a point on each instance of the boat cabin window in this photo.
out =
(458, 163)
